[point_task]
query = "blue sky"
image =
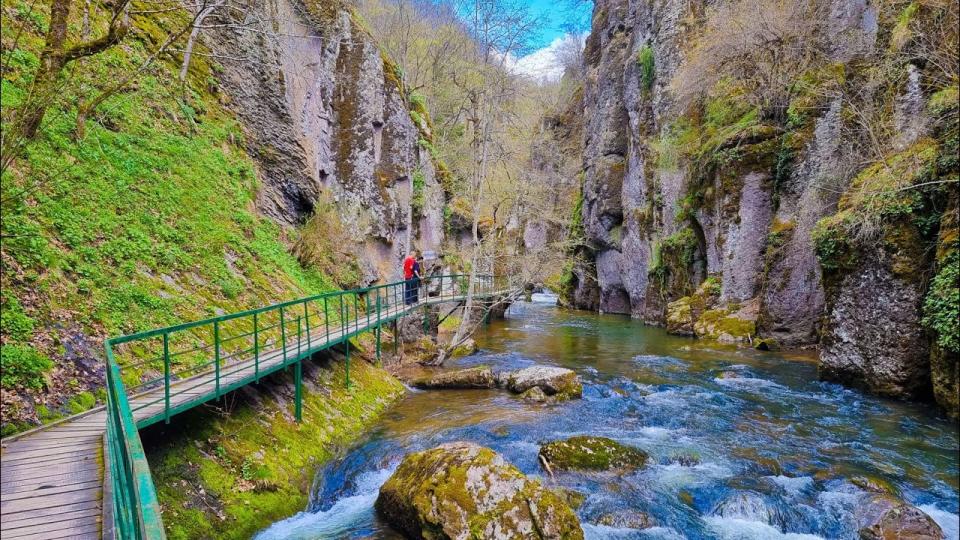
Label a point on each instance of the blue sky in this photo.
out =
(554, 14)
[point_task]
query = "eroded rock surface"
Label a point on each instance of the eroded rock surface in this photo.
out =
(553, 381)
(884, 517)
(462, 490)
(475, 377)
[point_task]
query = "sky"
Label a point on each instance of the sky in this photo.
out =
(555, 15)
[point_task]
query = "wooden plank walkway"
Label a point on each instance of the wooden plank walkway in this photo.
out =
(52, 478)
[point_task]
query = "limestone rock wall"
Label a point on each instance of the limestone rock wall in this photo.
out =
(325, 117)
(752, 225)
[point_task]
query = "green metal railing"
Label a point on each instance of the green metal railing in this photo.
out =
(156, 374)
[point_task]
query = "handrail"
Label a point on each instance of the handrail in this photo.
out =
(135, 507)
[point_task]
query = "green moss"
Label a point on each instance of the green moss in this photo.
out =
(941, 307)
(81, 402)
(724, 325)
(671, 263)
(588, 453)
(229, 476)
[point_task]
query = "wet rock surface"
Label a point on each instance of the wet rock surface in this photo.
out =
(586, 453)
(884, 517)
(475, 377)
(461, 490)
(553, 381)
(626, 519)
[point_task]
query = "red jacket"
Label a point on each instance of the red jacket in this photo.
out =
(408, 267)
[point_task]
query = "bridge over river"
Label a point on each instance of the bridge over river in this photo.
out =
(86, 476)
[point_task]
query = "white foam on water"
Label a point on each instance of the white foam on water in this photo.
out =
(793, 485)
(656, 432)
(748, 383)
(603, 532)
(948, 522)
(741, 529)
(344, 516)
(675, 476)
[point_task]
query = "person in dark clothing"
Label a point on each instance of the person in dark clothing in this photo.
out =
(416, 278)
(410, 273)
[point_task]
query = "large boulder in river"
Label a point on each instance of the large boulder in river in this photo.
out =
(884, 517)
(586, 453)
(554, 381)
(475, 377)
(462, 490)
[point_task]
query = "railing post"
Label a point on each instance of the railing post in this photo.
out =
(306, 316)
(166, 378)
(216, 356)
(326, 320)
(298, 381)
(343, 323)
(283, 336)
(298, 337)
(348, 362)
(356, 313)
(378, 327)
(256, 348)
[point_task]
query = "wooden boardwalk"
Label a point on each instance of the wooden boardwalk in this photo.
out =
(52, 478)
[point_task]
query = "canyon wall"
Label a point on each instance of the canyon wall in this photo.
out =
(736, 246)
(327, 117)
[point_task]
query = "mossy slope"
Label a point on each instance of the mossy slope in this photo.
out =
(228, 476)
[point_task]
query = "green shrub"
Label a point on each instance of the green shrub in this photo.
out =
(22, 366)
(419, 182)
(14, 323)
(941, 307)
(647, 67)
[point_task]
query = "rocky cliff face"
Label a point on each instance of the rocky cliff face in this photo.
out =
(326, 117)
(656, 227)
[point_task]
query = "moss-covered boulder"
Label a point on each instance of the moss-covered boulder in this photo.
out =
(587, 453)
(466, 348)
(559, 382)
(461, 490)
(883, 517)
(684, 312)
(727, 324)
(475, 377)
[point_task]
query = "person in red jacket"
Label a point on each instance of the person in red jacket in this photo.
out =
(411, 277)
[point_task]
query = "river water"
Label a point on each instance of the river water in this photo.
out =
(755, 428)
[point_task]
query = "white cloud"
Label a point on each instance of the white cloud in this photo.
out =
(541, 64)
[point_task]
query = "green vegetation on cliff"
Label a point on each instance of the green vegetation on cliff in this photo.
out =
(148, 220)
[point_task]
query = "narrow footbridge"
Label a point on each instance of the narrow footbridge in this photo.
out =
(87, 477)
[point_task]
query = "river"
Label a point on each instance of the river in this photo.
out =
(719, 424)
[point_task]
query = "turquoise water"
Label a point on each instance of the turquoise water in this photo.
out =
(773, 448)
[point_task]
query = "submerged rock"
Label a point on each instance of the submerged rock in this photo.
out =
(475, 377)
(553, 381)
(874, 485)
(588, 453)
(572, 497)
(884, 517)
(626, 519)
(752, 506)
(462, 490)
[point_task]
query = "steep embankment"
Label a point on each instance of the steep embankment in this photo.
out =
(702, 215)
(291, 168)
(228, 476)
(282, 167)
